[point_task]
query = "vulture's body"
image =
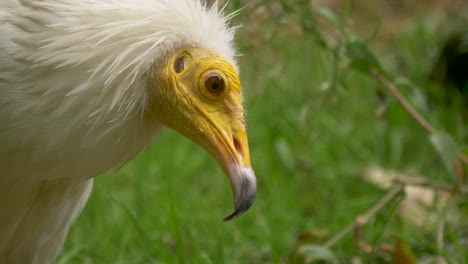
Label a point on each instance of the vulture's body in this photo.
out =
(83, 89)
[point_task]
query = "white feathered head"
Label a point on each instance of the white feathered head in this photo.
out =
(172, 62)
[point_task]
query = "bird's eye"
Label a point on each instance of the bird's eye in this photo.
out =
(179, 64)
(214, 84)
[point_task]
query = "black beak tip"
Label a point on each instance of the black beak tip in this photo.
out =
(242, 207)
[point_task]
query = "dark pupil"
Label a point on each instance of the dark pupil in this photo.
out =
(215, 84)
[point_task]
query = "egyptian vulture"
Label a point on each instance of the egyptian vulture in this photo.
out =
(86, 84)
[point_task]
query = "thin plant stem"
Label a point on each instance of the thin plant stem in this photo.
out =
(418, 117)
(362, 220)
(415, 114)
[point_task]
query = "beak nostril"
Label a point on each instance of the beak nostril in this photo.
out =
(238, 147)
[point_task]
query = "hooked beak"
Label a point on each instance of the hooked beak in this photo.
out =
(244, 187)
(231, 150)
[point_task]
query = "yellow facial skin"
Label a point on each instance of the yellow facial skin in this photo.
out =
(198, 93)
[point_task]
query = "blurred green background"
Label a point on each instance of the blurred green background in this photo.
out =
(313, 131)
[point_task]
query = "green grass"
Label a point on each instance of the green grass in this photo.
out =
(308, 147)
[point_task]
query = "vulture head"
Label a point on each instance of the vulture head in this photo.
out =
(85, 85)
(197, 92)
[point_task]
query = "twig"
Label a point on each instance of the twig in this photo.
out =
(413, 181)
(419, 118)
(340, 235)
(458, 168)
(396, 191)
(362, 220)
(440, 239)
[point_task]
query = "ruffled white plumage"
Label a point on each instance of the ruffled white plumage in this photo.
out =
(74, 81)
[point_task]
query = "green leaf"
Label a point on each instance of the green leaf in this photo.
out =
(447, 149)
(284, 152)
(309, 23)
(348, 8)
(361, 58)
(287, 6)
(69, 255)
(330, 16)
(316, 252)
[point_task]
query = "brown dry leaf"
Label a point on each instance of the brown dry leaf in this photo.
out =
(419, 202)
(403, 253)
(312, 236)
